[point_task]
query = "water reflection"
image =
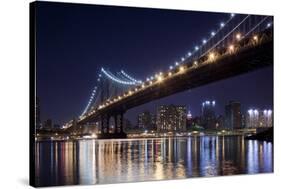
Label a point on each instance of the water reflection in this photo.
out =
(113, 161)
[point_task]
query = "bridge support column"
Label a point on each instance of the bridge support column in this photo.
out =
(121, 123)
(117, 132)
(105, 123)
(118, 120)
(102, 124)
(115, 123)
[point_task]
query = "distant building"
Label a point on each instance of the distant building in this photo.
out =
(145, 120)
(243, 121)
(128, 125)
(171, 118)
(37, 114)
(153, 122)
(259, 118)
(189, 119)
(189, 115)
(220, 122)
(208, 115)
(233, 115)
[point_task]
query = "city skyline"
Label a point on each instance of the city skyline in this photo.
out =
(233, 117)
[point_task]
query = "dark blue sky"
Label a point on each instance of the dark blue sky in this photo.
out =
(74, 41)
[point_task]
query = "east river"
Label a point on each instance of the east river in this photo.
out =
(131, 160)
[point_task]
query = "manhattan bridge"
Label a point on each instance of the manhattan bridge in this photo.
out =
(241, 44)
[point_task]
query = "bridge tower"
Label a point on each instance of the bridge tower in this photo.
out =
(118, 131)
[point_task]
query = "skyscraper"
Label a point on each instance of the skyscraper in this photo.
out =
(189, 119)
(233, 115)
(208, 115)
(171, 118)
(259, 118)
(145, 120)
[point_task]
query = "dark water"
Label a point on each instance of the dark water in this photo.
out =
(128, 160)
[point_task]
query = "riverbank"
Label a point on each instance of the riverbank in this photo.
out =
(266, 135)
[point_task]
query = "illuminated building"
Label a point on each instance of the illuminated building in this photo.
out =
(220, 122)
(233, 115)
(171, 118)
(208, 115)
(145, 120)
(259, 118)
(189, 119)
(189, 115)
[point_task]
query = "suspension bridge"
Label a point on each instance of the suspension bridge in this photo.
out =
(241, 44)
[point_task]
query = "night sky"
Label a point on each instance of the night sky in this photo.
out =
(74, 41)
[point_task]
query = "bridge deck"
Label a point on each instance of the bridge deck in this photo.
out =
(248, 59)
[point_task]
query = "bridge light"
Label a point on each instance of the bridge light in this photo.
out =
(182, 59)
(130, 92)
(176, 63)
(231, 48)
(232, 15)
(212, 56)
(268, 25)
(136, 89)
(147, 79)
(181, 69)
(222, 24)
(204, 41)
(189, 54)
(160, 78)
(196, 48)
(171, 67)
(119, 97)
(238, 36)
(255, 37)
(150, 82)
(170, 73)
(160, 73)
(143, 86)
(195, 63)
(213, 33)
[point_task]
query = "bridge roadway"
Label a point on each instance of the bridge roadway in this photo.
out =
(226, 66)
